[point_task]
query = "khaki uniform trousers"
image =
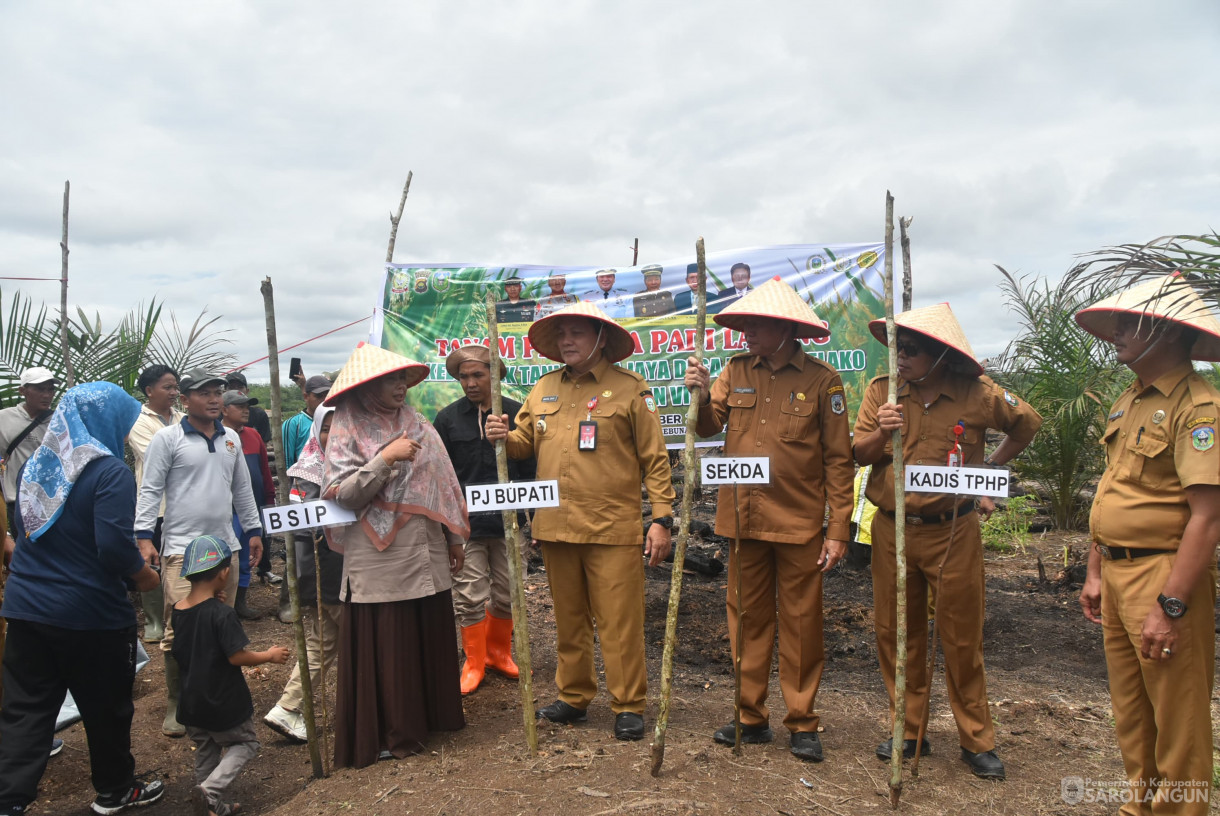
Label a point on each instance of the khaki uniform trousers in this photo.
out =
(483, 579)
(959, 623)
(321, 641)
(1162, 709)
(791, 573)
(175, 588)
(602, 584)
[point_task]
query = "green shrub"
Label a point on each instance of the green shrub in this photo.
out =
(1008, 528)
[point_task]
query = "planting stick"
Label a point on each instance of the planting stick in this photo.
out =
(741, 624)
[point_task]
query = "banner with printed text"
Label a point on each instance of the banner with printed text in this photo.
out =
(430, 308)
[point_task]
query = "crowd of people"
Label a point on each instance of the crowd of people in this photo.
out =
(416, 570)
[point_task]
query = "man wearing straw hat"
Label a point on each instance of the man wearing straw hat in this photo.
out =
(593, 426)
(1156, 518)
(944, 409)
(781, 403)
(481, 599)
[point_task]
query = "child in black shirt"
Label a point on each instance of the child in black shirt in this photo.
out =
(210, 648)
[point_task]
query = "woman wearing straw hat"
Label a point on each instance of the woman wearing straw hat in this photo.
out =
(398, 662)
(593, 426)
(944, 409)
(781, 403)
(1156, 518)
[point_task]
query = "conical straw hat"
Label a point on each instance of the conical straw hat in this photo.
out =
(544, 334)
(1165, 298)
(367, 363)
(935, 321)
(775, 300)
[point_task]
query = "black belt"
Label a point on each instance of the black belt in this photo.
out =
(1117, 553)
(963, 509)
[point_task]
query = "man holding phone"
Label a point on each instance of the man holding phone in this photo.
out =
(295, 429)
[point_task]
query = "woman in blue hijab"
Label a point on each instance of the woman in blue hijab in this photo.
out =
(70, 624)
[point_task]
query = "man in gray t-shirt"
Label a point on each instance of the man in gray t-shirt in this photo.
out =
(22, 428)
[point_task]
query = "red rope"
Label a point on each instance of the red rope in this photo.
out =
(297, 345)
(54, 279)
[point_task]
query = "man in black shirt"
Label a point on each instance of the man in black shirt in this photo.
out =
(236, 381)
(486, 629)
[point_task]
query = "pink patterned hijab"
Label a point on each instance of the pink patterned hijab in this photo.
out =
(427, 486)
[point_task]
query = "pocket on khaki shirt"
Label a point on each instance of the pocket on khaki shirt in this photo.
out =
(741, 411)
(795, 418)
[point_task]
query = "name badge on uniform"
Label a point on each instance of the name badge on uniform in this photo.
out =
(588, 436)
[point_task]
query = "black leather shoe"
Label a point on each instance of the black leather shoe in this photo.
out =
(562, 713)
(806, 746)
(750, 734)
(885, 750)
(984, 765)
(628, 726)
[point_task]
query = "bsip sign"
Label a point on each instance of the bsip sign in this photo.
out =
(305, 515)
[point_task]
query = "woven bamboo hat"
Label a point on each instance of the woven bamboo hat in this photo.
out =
(1164, 298)
(544, 334)
(775, 300)
(476, 353)
(937, 322)
(367, 363)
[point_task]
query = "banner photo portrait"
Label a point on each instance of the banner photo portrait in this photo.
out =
(428, 309)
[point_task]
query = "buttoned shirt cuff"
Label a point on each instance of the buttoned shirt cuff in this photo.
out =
(838, 530)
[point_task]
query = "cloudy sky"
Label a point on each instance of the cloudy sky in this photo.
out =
(212, 144)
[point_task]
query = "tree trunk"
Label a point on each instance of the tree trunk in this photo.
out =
(69, 373)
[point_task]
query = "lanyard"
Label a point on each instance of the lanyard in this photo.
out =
(591, 405)
(955, 452)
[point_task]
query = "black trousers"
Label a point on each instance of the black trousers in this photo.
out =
(41, 662)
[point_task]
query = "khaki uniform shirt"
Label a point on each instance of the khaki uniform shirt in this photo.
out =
(928, 437)
(1159, 440)
(147, 425)
(797, 416)
(599, 490)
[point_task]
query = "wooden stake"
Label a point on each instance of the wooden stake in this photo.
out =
(318, 538)
(69, 373)
(394, 219)
(900, 668)
(635, 252)
(905, 241)
(741, 624)
(688, 496)
(512, 541)
(294, 592)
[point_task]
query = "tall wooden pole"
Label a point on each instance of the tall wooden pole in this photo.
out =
(635, 252)
(900, 668)
(512, 542)
(394, 219)
(281, 497)
(688, 497)
(905, 241)
(69, 373)
(741, 622)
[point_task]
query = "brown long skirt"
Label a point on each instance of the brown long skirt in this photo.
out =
(398, 678)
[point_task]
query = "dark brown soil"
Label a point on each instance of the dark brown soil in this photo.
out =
(1047, 684)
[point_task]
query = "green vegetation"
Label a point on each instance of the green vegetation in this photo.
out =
(291, 400)
(1008, 528)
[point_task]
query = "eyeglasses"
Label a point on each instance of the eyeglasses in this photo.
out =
(908, 348)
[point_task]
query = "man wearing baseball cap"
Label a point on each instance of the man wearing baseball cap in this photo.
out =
(23, 426)
(1151, 581)
(784, 404)
(593, 426)
(295, 430)
(481, 600)
(259, 421)
(198, 467)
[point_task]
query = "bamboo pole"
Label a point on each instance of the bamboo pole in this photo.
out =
(900, 668)
(394, 219)
(741, 623)
(688, 497)
(905, 241)
(69, 372)
(318, 537)
(294, 592)
(512, 541)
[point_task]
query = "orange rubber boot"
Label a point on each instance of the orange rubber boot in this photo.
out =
(500, 646)
(474, 644)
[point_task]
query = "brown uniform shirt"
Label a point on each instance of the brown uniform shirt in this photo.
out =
(1160, 439)
(797, 416)
(599, 490)
(927, 432)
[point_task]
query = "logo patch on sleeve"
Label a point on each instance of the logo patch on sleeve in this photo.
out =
(1010, 399)
(836, 403)
(1203, 438)
(650, 404)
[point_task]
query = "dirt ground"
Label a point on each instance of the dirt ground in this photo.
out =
(1046, 676)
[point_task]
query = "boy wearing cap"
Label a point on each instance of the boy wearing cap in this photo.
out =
(513, 309)
(22, 428)
(1156, 518)
(210, 648)
(653, 301)
(481, 600)
(295, 430)
(945, 406)
(781, 403)
(198, 468)
(592, 426)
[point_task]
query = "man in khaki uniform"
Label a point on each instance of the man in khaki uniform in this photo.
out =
(593, 426)
(1156, 519)
(944, 409)
(653, 301)
(784, 404)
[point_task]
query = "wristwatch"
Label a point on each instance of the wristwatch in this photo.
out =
(665, 521)
(1174, 607)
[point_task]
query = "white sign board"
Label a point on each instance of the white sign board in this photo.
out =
(512, 496)
(967, 480)
(736, 470)
(304, 515)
